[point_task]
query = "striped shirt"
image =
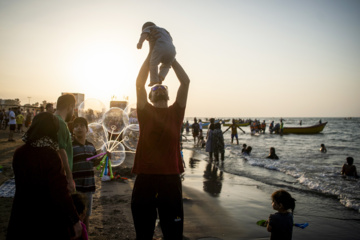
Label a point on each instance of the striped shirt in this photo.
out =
(83, 172)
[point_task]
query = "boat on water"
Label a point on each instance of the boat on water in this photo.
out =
(205, 125)
(238, 124)
(305, 130)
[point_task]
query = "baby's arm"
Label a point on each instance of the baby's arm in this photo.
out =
(142, 39)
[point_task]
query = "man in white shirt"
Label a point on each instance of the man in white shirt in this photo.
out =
(12, 124)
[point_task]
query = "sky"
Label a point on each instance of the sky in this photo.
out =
(258, 58)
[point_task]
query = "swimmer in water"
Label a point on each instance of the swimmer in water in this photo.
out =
(349, 169)
(323, 148)
(272, 154)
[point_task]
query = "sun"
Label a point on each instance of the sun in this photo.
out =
(103, 70)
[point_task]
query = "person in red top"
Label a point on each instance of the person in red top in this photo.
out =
(158, 162)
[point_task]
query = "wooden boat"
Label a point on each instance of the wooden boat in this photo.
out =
(239, 124)
(305, 130)
(207, 124)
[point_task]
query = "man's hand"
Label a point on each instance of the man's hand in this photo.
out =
(77, 230)
(139, 45)
(71, 186)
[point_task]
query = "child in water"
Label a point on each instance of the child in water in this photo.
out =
(272, 154)
(80, 203)
(280, 224)
(163, 52)
(323, 148)
(201, 142)
(349, 169)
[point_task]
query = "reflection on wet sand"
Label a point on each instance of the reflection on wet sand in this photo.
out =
(213, 177)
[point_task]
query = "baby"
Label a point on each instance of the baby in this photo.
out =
(163, 52)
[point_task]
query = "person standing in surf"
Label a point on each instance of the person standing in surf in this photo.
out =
(234, 133)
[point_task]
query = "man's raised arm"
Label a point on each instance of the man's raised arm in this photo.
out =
(144, 72)
(140, 84)
(184, 84)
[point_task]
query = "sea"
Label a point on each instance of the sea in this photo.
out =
(301, 167)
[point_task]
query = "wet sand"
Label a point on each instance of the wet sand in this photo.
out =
(111, 215)
(227, 206)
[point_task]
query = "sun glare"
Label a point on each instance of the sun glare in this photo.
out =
(103, 70)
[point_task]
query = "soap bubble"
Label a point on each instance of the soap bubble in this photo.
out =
(92, 110)
(132, 113)
(96, 135)
(131, 136)
(117, 151)
(115, 120)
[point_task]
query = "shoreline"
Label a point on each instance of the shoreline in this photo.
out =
(217, 205)
(247, 200)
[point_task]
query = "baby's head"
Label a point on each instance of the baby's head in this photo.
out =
(147, 24)
(80, 204)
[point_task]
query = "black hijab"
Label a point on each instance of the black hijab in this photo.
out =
(43, 131)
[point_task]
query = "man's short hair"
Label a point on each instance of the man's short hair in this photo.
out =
(350, 160)
(64, 101)
(150, 93)
(81, 120)
(48, 105)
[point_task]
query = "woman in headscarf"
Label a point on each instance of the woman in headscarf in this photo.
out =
(272, 154)
(42, 207)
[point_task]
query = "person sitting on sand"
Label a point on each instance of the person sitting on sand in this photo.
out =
(349, 169)
(323, 148)
(272, 154)
(247, 151)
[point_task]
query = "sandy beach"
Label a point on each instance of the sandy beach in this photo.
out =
(217, 205)
(111, 216)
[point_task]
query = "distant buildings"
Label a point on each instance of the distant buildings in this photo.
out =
(8, 103)
(119, 104)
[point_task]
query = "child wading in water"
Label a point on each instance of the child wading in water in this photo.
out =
(280, 224)
(163, 52)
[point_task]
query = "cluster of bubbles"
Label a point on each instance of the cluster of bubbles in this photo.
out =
(105, 124)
